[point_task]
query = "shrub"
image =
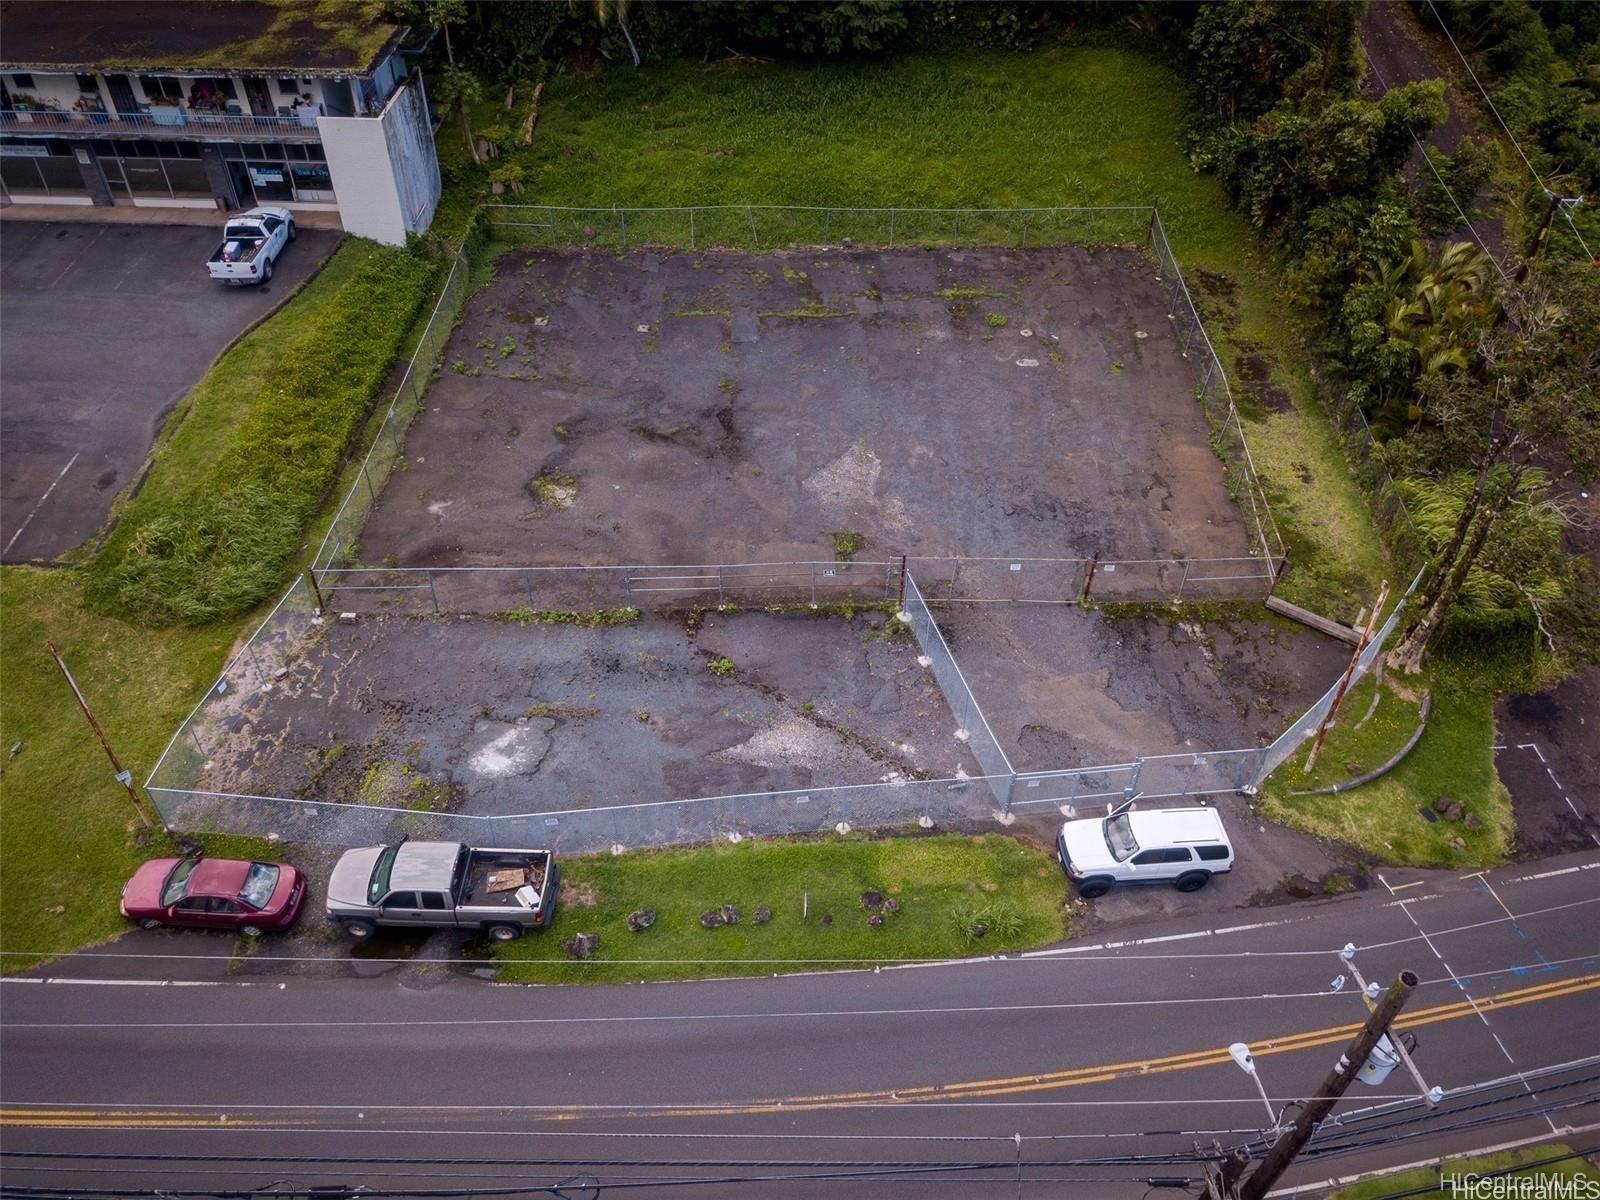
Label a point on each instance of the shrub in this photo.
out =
(222, 546)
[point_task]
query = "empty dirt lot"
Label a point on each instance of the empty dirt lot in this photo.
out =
(648, 408)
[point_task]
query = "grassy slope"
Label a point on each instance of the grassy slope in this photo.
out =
(1403, 1183)
(1454, 758)
(1068, 126)
(67, 831)
(937, 881)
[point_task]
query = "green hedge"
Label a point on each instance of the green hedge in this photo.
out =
(222, 545)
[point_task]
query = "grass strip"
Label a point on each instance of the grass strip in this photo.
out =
(221, 517)
(942, 885)
(1576, 1174)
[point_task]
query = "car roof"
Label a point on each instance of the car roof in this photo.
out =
(1166, 825)
(218, 877)
(423, 865)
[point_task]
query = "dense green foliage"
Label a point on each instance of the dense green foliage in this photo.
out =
(221, 544)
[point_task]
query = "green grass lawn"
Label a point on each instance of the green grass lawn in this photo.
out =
(1454, 758)
(1574, 1169)
(1074, 125)
(68, 834)
(813, 887)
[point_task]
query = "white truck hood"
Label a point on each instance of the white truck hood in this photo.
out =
(1086, 845)
(347, 886)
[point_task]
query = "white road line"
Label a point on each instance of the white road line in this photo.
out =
(138, 982)
(40, 504)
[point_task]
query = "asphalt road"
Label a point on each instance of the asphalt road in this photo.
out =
(1115, 1048)
(103, 329)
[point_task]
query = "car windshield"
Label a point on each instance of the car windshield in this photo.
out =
(259, 884)
(1119, 838)
(378, 885)
(177, 884)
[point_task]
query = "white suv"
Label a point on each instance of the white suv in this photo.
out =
(1181, 846)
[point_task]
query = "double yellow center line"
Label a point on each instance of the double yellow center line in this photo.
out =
(64, 1116)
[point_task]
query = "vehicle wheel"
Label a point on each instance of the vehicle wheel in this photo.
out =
(1191, 881)
(504, 933)
(360, 930)
(266, 272)
(250, 931)
(1090, 888)
(293, 232)
(149, 923)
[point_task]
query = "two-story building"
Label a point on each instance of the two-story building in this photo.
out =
(226, 103)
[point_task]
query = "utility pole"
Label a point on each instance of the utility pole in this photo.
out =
(124, 777)
(1344, 682)
(1539, 238)
(1293, 1139)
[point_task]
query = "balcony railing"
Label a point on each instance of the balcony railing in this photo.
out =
(162, 121)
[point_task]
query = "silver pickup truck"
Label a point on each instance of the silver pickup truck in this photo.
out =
(445, 884)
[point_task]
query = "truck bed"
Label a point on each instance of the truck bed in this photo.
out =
(535, 867)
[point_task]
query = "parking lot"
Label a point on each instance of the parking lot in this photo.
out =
(103, 329)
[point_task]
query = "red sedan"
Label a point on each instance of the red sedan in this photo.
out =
(214, 893)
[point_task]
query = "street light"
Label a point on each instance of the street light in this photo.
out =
(1246, 1062)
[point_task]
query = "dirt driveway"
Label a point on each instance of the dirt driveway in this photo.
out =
(103, 328)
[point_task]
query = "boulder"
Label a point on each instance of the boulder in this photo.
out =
(1455, 812)
(763, 915)
(581, 945)
(713, 917)
(875, 920)
(891, 905)
(827, 918)
(730, 914)
(978, 929)
(1442, 803)
(1473, 821)
(871, 901)
(642, 919)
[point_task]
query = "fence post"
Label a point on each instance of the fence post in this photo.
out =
(720, 600)
(900, 603)
(827, 224)
(955, 230)
(627, 586)
(527, 581)
(813, 567)
(755, 239)
(1184, 582)
(1150, 234)
(1276, 573)
(394, 438)
(432, 592)
(316, 592)
(1024, 229)
(891, 229)
(1088, 579)
(622, 217)
(371, 491)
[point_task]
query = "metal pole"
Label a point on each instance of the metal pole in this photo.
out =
(623, 218)
(432, 592)
(1344, 681)
(900, 602)
(527, 581)
(124, 777)
(827, 224)
(891, 229)
(691, 229)
(1350, 1062)
(1184, 582)
(316, 592)
(755, 240)
(371, 492)
(1088, 579)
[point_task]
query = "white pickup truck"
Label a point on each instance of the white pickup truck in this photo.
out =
(251, 243)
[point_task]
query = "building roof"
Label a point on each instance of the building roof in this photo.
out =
(288, 37)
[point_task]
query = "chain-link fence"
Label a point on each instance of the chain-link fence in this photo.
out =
(1290, 740)
(1405, 541)
(984, 580)
(339, 544)
(1216, 398)
(758, 227)
(972, 726)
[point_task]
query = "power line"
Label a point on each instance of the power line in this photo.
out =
(1560, 204)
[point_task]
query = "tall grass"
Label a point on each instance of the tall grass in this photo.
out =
(218, 546)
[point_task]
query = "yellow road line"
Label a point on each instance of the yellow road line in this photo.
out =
(169, 1118)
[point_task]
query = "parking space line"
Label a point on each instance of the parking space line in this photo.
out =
(40, 504)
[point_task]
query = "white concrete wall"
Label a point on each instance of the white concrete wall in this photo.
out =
(63, 89)
(384, 169)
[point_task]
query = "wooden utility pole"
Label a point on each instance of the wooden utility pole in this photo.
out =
(1344, 681)
(1539, 238)
(1355, 1055)
(124, 777)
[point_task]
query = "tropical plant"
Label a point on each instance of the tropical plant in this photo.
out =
(460, 87)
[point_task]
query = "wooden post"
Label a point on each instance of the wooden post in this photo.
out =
(900, 601)
(1350, 1062)
(124, 777)
(1088, 579)
(1344, 681)
(316, 592)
